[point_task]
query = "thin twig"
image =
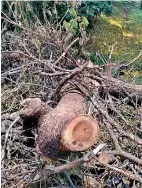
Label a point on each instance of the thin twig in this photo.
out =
(69, 165)
(133, 60)
(6, 138)
(65, 50)
(125, 173)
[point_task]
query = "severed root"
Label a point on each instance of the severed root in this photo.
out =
(32, 108)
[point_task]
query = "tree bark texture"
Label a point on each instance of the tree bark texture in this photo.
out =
(51, 124)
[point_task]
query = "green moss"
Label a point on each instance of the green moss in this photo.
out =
(126, 33)
(105, 34)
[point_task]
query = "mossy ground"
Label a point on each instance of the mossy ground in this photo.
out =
(124, 29)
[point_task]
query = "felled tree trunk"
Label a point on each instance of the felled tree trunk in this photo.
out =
(66, 129)
(116, 86)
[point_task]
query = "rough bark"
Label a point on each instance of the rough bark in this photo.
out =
(52, 124)
(32, 108)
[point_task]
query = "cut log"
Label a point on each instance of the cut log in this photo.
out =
(80, 134)
(66, 129)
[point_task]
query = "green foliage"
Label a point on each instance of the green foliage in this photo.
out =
(76, 25)
(90, 8)
(28, 12)
(135, 19)
(84, 23)
(73, 12)
(71, 25)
